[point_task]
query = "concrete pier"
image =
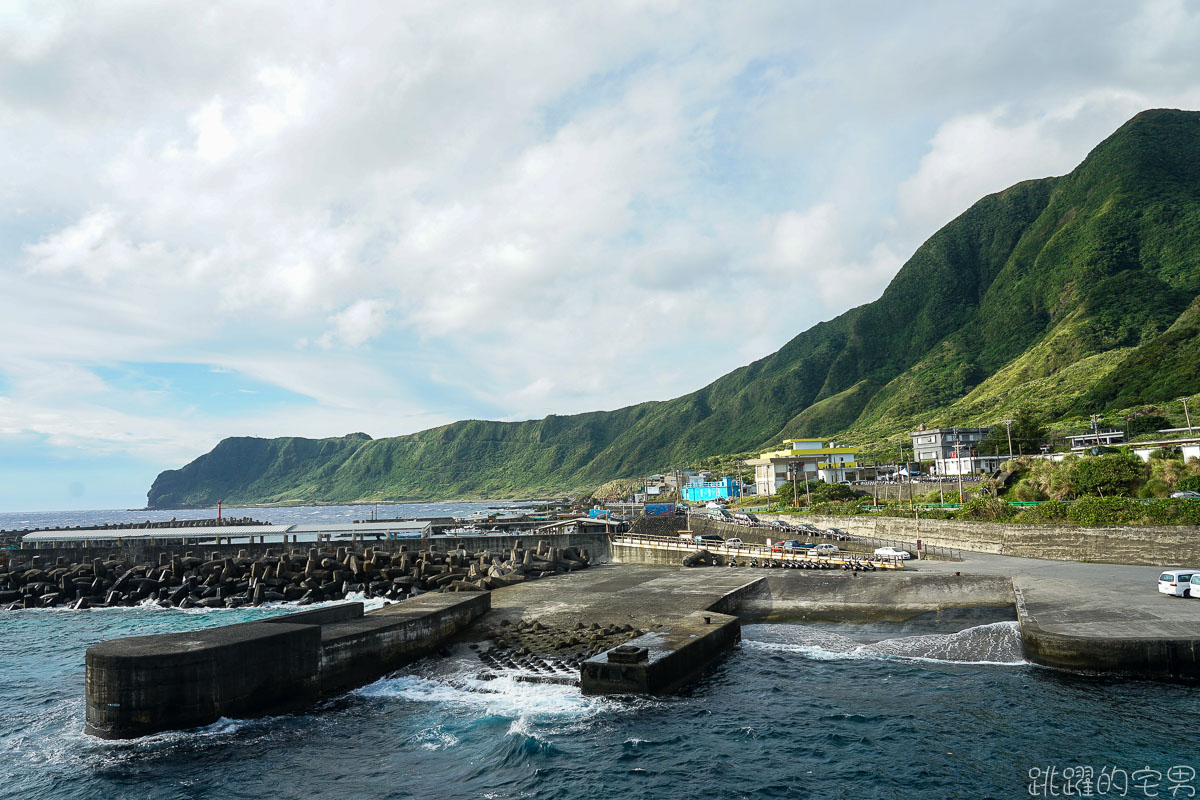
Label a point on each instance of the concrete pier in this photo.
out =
(630, 628)
(664, 660)
(145, 684)
(591, 617)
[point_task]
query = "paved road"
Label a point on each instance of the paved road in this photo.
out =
(1109, 600)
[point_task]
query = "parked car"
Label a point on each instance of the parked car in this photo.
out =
(1176, 582)
(893, 552)
(791, 544)
(734, 541)
(1195, 587)
(707, 538)
(825, 549)
(1185, 494)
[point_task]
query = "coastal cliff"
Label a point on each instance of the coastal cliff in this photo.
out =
(1065, 296)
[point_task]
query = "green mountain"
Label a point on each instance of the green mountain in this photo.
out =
(1067, 295)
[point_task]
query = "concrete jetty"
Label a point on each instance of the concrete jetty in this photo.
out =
(662, 661)
(145, 684)
(630, 628)
(585, 618)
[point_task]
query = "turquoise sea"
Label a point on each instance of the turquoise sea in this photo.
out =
(922, 710)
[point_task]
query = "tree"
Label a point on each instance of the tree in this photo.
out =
(784, 495)
(1191, 483)
(1027, 433)
(1113, 475)
(1145, 423)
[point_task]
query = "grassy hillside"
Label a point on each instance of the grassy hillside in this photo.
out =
(1072, 295)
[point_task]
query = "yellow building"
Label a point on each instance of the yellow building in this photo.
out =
(816, 459)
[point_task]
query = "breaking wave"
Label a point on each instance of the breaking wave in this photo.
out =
(997, 643)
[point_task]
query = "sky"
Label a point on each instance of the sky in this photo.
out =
(311, 219)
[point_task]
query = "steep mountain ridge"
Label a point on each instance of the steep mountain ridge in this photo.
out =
(1071, 294)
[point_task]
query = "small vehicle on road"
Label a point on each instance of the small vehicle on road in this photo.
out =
(734, 541)
(1185, 494)
(825, 549)
(893, 552)
(1195, 588)
(1176, 582)
(791, 544)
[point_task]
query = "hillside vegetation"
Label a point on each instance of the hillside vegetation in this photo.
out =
(1067, 296)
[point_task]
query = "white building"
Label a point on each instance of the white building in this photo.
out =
(814, 459)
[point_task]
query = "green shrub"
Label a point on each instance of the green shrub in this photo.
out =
(1108, 511)
(1191, 483)
(1116, 474)
(1050, 512)
(987, 508)
(1155, 487)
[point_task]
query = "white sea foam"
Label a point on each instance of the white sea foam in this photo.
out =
(996, 643)
(503, 696)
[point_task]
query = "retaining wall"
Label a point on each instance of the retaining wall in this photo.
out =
(1129, 544)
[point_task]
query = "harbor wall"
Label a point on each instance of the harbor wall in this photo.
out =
(146, 684)
(1171, 657)
(878, 596)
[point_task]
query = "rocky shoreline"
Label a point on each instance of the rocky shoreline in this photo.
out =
(189, 581)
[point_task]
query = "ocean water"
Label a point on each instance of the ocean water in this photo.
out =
(921, 710)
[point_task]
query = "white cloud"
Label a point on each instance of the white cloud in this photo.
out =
(363, 320)
(977, 154)
(506, 210)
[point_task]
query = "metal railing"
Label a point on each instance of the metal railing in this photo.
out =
(757, 551)
(924, 550)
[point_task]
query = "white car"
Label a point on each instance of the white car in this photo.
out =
(1178, 495)
(1176, 582)
(733, 541)
(1195, 589)
(824, 549)
(893, 552)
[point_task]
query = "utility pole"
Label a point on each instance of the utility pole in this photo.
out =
(1186, 414)
(795, 496)
(807, 493)
(1008, 429)
(958, 465)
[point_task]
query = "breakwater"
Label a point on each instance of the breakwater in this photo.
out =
(145, 684)
(302, 577)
